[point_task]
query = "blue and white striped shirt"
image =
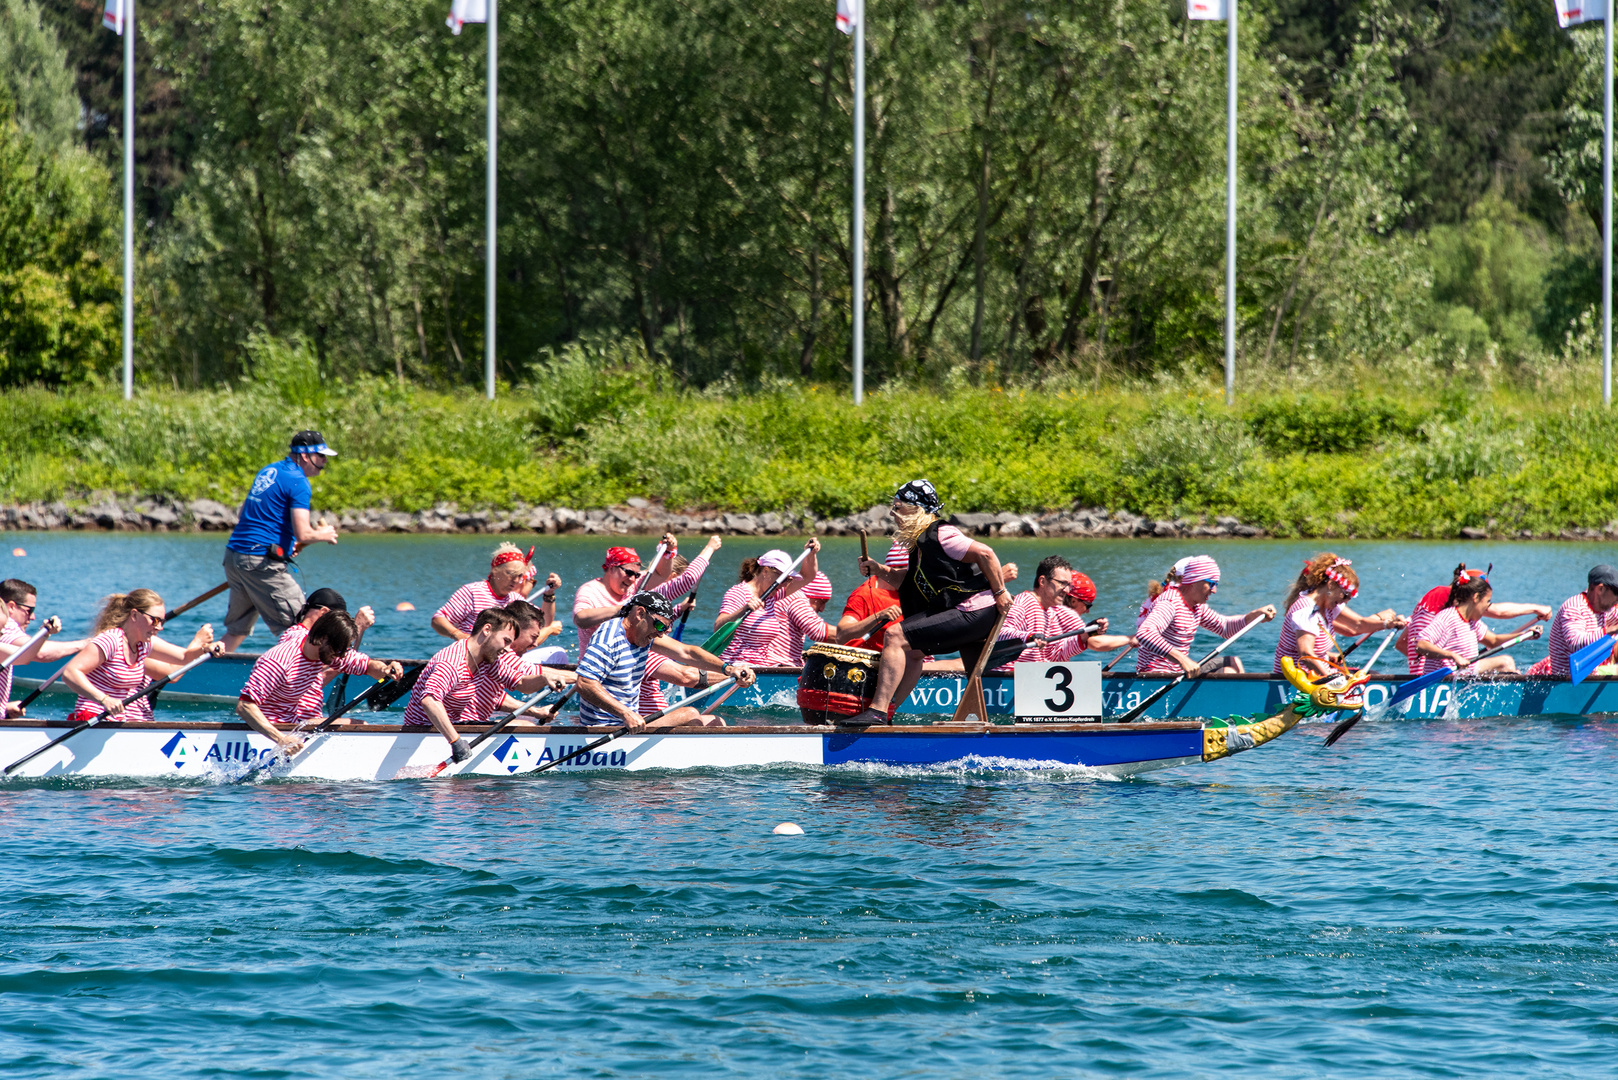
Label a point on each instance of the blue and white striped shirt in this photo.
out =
(611, 660)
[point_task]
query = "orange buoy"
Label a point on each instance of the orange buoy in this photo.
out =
(19, 552)
(404, 605)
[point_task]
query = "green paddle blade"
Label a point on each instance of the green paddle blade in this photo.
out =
(721, 637)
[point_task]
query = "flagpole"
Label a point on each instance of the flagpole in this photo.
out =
(489, 252)
(859, 202)
(1230, 206)
(1606, 215)
(129, 199)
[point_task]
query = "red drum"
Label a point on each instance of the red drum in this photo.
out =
(837, 681)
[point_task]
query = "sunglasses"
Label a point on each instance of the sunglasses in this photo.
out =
(660, 626)
(25, 607)
(157, 620)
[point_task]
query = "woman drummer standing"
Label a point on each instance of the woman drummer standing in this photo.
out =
(1317, 606)
(123, 652)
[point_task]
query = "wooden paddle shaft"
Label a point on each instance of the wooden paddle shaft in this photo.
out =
(189, 604)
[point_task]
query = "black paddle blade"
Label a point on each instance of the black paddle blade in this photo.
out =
(1342, 729)
(391, 692)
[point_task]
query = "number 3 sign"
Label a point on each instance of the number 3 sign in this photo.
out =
(1047, 691)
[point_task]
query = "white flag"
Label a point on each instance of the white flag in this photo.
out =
(113, 17)
(460, 13)
(847, 15)
(1211, 10)
(1569, 12)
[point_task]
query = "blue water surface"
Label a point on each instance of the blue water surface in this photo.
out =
(1427, 898)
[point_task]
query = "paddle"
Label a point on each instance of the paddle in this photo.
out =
(1184, 675)
(380, 696)
(1587, 659)
(150, 691)
(12, 659)
(621, 732)
(1362, 640)
(498, 728)
(1118, 659)
(721, 637)
(1008, 650)
(1413, 687)
(971, 706)
(679, 631)
(189, 604)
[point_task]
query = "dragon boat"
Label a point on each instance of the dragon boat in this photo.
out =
(776, 693)
(347, 752)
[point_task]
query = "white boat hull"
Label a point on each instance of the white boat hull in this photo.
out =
(371, 752)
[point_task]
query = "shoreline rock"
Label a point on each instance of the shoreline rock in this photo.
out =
(639, 517)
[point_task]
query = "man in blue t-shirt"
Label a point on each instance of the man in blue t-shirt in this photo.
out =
(273, 524)
(611, 669)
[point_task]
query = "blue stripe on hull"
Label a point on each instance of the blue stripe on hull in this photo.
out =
(1096, 749)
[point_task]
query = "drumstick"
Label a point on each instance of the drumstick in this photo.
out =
(865, 552)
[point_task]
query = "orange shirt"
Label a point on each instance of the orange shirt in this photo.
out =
(866, 601)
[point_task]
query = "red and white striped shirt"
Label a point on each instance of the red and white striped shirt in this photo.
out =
(468, 697)
(1448, 631)
(11, 634)
(462, 609)
(117, 676)
(898, 556)
(595, 594)
(1574, 627)
(1026, 618)
(1304, 617)
(286, 686)
(652, 700)
(766, 636)
(1171, 624)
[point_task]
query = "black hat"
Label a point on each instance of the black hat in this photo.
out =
(326, 598)
(655, 606)
(1604, 575)
(920, 493)
(311, 442)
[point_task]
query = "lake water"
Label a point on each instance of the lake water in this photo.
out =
(1428, 898)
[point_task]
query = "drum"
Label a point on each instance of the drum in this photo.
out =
(837, 681)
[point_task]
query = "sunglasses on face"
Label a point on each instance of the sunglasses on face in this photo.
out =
(660, 626)
(25, 607)
(157, 620)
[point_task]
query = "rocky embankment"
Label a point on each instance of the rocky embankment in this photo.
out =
(638, 517)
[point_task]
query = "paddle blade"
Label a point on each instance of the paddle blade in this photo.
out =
(1587, 659)
(721, 637)
(1415, 686)
(396, 690)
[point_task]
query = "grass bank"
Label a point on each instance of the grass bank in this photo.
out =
(1371, 460)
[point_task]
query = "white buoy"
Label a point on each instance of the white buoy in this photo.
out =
(787, 828)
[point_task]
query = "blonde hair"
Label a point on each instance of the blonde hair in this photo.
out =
(119, 606)
(1314, 575)
(910, 529)
(505, 548)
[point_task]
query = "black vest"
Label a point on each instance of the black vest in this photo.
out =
(935, 582)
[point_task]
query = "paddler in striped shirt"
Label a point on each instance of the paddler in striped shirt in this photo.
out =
(1583, 619)
(1043, 612)
(510, 578)
(286, 684)
(18, 600)
(1317, 606)
(1179, 611)
(1436, 600)
(601, 599)
(614, 665)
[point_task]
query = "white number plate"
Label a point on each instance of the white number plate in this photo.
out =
(1056, 690)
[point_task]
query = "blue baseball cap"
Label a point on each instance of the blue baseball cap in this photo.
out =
(311, 442)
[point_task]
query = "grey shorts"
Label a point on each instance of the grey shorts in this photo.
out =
(260, 585)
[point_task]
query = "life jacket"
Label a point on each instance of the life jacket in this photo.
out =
(935, 582)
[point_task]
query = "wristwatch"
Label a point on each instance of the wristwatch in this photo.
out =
(707, 679)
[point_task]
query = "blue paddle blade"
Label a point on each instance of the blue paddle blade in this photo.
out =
(1587, 659)
(1415, 686)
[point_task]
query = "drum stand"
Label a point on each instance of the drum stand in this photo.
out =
(972, 708)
